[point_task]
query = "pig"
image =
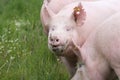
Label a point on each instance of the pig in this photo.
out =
(101, 51)
(64, 26)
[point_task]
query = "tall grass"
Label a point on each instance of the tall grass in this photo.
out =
(24, 54)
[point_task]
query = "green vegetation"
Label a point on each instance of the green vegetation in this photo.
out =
(24, 54)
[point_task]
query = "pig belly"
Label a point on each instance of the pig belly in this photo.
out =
(108, 41)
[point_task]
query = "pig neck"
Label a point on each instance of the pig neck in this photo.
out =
(91, 55)
(70, 54)
(79, 41)
(73, 59)
(88, 50)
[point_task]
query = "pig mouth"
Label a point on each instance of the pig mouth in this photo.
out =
(59, 50)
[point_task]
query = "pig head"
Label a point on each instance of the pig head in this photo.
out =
(62, 28)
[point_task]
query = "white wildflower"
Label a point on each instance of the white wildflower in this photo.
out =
(1, 47)
(12, 57)
(9, 51)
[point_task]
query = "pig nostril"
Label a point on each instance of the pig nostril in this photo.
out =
(51, 39)
(57, 40)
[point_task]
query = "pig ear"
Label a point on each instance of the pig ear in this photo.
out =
(79, 14)
(48, 13)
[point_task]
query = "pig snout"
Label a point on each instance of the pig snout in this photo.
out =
(54, 41)
(57, 43)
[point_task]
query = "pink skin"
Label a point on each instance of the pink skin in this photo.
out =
(101, 51)
(61, 27)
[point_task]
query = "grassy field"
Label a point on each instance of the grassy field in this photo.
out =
(24, 54)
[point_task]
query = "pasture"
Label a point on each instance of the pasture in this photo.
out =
(24, 54)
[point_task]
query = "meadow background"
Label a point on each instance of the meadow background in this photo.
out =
(24, 54)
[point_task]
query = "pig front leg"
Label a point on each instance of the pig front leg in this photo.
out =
(117, 71)
(80, 74)
(77, 75)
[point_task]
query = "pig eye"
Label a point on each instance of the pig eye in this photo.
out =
(68, 29)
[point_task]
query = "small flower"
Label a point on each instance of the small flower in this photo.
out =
(12, 57)
(9, 51)
(1, 47)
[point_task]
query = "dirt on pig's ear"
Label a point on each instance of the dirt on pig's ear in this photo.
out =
(79, 14)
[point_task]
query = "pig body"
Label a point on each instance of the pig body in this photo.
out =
(101, 51)
(61, 27)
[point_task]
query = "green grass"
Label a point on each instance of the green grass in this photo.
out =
(24, 54)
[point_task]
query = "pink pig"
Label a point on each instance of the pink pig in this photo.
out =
(63, 26)
(101, 52)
